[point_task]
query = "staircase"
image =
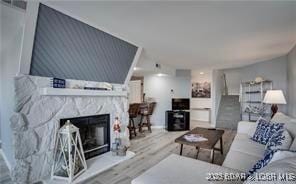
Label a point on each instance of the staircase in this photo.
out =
(229, 112)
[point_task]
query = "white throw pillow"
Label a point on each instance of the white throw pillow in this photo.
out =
(281, 118)
(293, 145)
(291, 127)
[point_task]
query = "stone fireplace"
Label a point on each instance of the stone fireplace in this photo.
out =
(40, 112)
(94, 132)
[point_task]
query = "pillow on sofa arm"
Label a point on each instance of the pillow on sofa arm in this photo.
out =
(279, 140)
(272, 156)
(265, 130)
(283, 162)
(261, 163)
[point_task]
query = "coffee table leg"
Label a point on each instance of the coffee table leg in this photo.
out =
(212, 155)
(221, 145)
(181, 149)
(197, 148)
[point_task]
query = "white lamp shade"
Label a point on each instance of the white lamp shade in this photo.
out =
(274, 97)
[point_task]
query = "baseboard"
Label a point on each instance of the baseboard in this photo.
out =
(5, 159)
(158, 127)
(202, 120)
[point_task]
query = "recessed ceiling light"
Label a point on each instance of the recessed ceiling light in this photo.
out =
(161, 74)
(201, 73)
(136, 68)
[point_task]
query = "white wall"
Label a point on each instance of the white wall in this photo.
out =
(160, 88)
(147, 66)
(292, 82)
(12, 24)
(201, 115)
(275, 70)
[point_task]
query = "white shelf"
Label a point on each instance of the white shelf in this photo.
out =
(79, 92)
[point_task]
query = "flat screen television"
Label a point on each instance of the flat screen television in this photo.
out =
(180, 104)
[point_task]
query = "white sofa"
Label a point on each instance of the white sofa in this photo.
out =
(243, 154)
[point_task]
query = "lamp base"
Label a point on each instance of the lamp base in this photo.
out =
(274, 109)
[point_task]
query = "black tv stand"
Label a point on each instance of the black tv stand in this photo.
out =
(177, 120)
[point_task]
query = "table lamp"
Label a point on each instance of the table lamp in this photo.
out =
(274, 97)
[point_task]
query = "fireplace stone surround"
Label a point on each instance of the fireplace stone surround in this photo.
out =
(37, 118)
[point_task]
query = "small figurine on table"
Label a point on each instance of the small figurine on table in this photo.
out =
(116, 127)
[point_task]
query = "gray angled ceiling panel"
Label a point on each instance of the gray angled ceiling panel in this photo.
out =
(67, 48)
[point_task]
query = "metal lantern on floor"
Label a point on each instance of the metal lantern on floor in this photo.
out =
(69, 160)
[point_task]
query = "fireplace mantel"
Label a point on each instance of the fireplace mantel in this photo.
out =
(79, 92)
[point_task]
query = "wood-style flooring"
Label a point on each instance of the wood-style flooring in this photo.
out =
(4, 172)
(150, 148)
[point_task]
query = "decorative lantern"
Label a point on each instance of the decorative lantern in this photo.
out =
(69, 160)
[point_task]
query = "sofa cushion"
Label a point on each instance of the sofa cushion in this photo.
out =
(243, 143)
(240, 161)
(265, 130)
(246, 127)
(176, 169)
(252, 130)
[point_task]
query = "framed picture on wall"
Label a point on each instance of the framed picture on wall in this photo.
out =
(201, 90)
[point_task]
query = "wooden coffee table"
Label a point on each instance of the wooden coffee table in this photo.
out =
(213, 135)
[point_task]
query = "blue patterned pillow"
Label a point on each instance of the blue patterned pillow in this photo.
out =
(262, 162)
(265, 130)
(279, 140)
(275, 140)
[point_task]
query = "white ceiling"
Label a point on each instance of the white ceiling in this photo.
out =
(194, 35)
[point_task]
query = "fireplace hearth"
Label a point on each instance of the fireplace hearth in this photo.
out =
(94, 132)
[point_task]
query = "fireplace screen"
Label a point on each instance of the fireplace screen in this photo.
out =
(94, 133)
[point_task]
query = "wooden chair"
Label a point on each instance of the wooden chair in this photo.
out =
(133, 113)
(145, 113)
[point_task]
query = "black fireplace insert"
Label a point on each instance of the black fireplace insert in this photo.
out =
(94, 132)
